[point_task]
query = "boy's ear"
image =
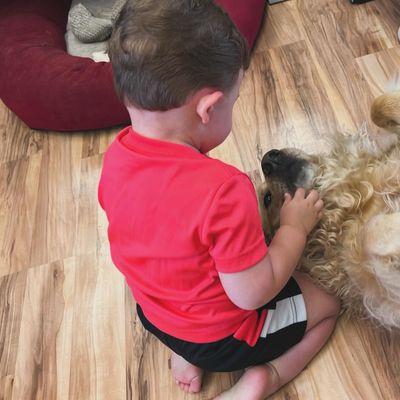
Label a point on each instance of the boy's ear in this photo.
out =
(206, 103)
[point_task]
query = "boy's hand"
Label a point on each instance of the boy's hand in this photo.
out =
(302, 212)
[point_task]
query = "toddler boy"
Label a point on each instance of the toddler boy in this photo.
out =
(184, 228)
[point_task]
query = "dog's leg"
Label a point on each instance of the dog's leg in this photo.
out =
(385, 113)
(378, 279)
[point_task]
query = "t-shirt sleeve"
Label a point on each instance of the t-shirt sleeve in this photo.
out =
(232, 228)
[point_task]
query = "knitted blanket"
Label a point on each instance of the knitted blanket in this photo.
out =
(91, 21)
(89, 27)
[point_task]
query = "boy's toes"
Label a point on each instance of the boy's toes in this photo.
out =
(195, 385)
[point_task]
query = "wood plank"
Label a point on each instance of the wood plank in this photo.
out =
(97, 141)
(19, 186)
(12, 289)
(17, 140)
(328, 29)
(380, 70)
(280, 27)
(388, 12)
(68, 333)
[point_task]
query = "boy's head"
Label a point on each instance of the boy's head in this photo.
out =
(164, 51)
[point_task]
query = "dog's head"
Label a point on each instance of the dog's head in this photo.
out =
(284, 171)
(289, 169)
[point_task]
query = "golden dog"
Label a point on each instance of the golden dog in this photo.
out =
(354, 251)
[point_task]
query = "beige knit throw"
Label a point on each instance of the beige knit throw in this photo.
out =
(88, 28)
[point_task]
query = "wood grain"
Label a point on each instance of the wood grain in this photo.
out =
(69, 328)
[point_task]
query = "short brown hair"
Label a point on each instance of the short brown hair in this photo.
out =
(162, 51)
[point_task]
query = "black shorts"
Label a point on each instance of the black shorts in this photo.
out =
(285, 326)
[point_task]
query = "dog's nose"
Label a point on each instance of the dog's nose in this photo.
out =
(269, 161)
(274, 154)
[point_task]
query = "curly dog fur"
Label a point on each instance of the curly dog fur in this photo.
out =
(354, 251)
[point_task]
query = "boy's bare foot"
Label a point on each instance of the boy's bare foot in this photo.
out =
(186, 375)
(255, 384)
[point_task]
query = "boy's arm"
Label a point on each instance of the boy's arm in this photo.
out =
(255, 286)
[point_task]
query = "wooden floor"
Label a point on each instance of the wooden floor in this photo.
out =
(68, 329)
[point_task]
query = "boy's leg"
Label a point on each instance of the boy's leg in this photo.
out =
(261, 381)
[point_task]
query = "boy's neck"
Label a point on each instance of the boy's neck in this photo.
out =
(177, 125)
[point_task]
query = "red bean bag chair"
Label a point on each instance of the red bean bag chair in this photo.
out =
(50, 89)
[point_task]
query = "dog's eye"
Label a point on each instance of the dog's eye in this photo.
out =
(267, 199)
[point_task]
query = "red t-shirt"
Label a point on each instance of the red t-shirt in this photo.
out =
(176, 218)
